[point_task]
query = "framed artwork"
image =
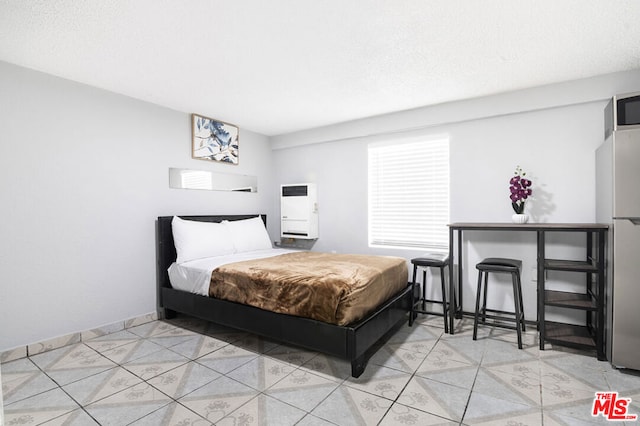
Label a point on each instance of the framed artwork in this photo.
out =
(214, 140)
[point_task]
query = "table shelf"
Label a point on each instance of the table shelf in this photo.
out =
(576, 336)
(570, 265)
(566, 299)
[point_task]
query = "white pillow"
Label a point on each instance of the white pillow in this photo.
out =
(197, 240)
(248, 234)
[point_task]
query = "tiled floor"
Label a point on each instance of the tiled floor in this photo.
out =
(189, 372)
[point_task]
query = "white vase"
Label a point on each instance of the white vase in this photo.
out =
(520, 218)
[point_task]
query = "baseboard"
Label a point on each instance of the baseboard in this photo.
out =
(73, 338)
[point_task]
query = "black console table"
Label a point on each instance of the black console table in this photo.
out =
(591, 300)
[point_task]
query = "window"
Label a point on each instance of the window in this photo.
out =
(409, 194)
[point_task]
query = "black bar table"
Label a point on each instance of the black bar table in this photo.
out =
(591, 301)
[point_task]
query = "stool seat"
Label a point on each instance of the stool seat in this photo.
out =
(500, 264)
(431, 259)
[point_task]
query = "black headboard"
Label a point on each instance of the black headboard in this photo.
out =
(166, 250)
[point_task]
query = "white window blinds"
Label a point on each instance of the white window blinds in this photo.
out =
(409, 194)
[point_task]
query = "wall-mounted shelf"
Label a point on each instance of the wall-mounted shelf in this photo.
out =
(296, 244)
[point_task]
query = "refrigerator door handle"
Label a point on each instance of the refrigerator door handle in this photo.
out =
(635, 221)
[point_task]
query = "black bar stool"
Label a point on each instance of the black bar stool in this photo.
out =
(500, 265)
(429, 260)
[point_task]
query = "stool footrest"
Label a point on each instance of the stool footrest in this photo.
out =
(501, 318)
(425, 312)
(496, 311)
(420, 311)
(429, 301)
(497, 324)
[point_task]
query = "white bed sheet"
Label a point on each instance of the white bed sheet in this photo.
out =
(194, 276)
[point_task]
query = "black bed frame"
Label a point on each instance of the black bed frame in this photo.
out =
(355, 342)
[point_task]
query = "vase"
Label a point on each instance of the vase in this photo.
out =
(520, 218)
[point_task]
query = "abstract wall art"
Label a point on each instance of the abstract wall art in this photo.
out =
(214, 140)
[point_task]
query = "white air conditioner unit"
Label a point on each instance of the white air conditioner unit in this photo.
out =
(299, 211)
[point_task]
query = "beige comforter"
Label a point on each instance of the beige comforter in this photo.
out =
(334, 288)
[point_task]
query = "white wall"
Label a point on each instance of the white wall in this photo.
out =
(551, 131)
(83, 175)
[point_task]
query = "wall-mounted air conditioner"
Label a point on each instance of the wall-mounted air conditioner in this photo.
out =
(299, 211)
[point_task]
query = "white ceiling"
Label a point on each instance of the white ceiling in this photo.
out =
(278, 66)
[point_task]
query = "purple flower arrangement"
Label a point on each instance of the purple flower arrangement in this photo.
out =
(520, 188)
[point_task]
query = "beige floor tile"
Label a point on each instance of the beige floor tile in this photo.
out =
(132, 351)
(128, 405)
(71, 363)
(263, 410)
(101, 385)
(402, 415)
(381, 381)
(396, 357)
(198, 346)
(291, 354)
(183, 380)
(156, 363)
(302, 389)
(172, 414)
(39, 408)
(349, 406)
(22, 379)
(112, 341)
(329, 367)
(218, 399)
(261, 373)
(227, 359)
(77, 417)
(440, 399)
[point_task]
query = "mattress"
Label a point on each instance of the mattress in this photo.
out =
(334, 288)
(195, 276)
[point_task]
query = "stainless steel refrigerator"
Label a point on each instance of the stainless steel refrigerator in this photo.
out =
(618, 204)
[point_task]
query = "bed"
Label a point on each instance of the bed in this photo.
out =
(355, 341)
